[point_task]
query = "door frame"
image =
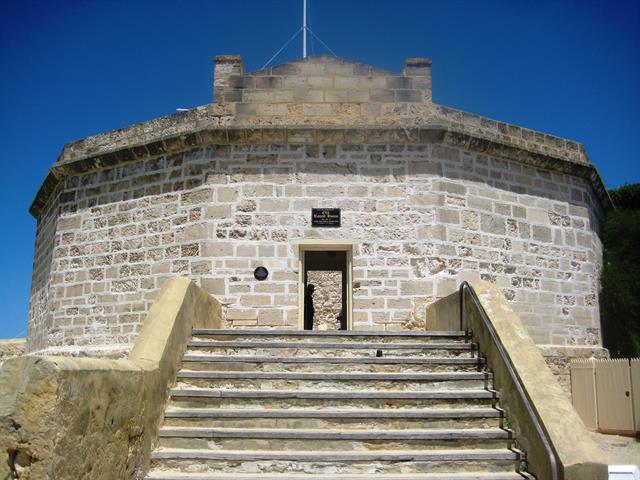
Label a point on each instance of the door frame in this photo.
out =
(303, 246)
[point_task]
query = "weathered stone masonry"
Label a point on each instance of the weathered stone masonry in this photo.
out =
(426, 207)
(421, 221)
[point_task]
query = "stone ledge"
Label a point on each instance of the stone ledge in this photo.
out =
(10, 348)
(578, 456)
(73, 162)
(63, 417)
(398, 115)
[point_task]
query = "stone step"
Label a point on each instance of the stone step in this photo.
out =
(330, 439)
(380, 462)
(177, 475)
(315, 394)
(330, 349)
(301, 336)
(319, 345)
(201, 361)
(372, 419)
(331, 381)
(300, 352)
(328, 399)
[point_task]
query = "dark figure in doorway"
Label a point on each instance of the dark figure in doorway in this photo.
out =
(309, 311)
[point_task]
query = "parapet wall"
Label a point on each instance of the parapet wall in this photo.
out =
(95, 418)
(318, 87)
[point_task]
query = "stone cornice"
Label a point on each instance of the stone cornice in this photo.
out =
(82, 157)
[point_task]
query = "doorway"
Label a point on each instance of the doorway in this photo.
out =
(325, 287)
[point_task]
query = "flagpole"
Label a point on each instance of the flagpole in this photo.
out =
(304, 28)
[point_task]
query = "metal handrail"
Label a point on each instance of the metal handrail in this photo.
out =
(556, 474)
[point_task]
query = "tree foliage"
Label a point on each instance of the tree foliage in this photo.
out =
(620, 301)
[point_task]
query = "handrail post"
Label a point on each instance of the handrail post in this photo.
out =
(461, 302)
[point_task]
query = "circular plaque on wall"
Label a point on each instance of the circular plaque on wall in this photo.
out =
(261, 273)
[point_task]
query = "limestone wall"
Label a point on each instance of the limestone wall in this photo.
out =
(327, 299)
(10, 348)
(423, 217)
(41, 326)
(319, 87)
(93, 418)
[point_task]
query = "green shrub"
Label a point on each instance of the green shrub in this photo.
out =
(620, 300)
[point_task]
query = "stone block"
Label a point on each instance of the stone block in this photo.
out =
(69, 223)
(264, 287)
(312, 69)
(398, 303)
(347, 83)
(540, 233)
(336, 96)
(256, 300)
(214, 286)
(493, 224)
(274, 205)
(265, 83)
(358, 95)
(368, 303)
(217, 249)
(480, 203)
(267, 96)
(416, 287)
(451, 187)
(239, 289)
(412, 96)
(242, 314)
(120, 286)
(319, 109)
(271, 109)
(381, 95)
(190, 250)
(537, 215)
(399, 82)
(246, 251)
(446, 215)
(318, 83)
(270, 317)
(195, 232)
(302, 136)
(426, 199)
(226, 194)
(431, 232)
(195, 197)
(339, 69)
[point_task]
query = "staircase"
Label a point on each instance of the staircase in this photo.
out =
(258, 404)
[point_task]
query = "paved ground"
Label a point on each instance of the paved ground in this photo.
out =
(619, 450)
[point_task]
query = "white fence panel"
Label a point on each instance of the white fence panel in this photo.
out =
(606, 394)
(634, 364)
(613, 394)
(583, 392)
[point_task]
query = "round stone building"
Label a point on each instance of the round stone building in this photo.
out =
(322, 171)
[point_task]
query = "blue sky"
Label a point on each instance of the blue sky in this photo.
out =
(73, 69)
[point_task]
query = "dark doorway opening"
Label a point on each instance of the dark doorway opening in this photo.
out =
(325, 304)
